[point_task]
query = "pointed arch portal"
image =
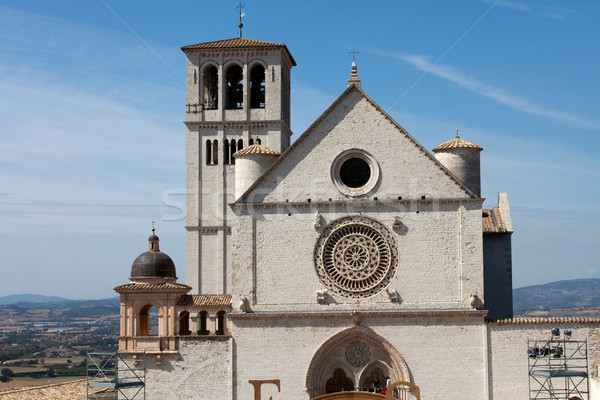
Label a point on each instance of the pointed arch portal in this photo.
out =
(356, 360)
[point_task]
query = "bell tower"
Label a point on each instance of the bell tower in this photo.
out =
(238, 94)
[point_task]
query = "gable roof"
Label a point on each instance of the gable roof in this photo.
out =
(310, 129)
(238, 43)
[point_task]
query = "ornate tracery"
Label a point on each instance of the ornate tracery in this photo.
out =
(356, 257)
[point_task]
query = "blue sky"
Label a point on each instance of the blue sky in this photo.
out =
(92, 144)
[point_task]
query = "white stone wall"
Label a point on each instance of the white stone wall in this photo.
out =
(407, 169)
(439, 263)
(445, 356)
(201, 371)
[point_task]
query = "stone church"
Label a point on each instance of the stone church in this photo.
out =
(324, 267)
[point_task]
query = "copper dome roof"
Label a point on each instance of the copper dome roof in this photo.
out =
(153, 263)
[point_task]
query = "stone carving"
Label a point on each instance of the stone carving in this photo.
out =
(473, 301)
(318, 220)
(356, 257)
(393, 295)
(356, 317)
(358, 354)
(397, 224)
(244, 304)
(321, 296)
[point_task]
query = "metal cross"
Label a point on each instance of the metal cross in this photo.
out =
(240, 6)
(353, 52)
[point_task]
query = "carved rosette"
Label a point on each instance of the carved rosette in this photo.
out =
(358, 354)
(356, 257)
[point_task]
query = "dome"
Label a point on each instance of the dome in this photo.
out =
(153, 263)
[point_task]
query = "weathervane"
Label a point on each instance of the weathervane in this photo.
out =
(240, 6)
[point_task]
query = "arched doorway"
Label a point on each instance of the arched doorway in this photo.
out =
(365, 358)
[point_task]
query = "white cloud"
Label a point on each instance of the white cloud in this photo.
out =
(559, 13)
(485, 89)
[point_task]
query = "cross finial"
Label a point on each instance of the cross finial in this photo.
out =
(353, 51)
(153, 227)
(240, 6)
(457, 134)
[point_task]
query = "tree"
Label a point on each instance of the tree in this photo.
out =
(7, 372)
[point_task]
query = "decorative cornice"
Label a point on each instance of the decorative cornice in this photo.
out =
(540, 321)
(227, 229)
(364, 313)
(356, 202)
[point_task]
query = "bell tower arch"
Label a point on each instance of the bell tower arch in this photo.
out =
(238, 93)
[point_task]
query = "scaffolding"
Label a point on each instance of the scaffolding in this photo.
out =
(109, 377)
(558, 368)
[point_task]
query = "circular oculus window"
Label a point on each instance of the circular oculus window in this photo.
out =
(355, 172)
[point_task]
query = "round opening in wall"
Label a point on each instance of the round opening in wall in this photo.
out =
(355, 172)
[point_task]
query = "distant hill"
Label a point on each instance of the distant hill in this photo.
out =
(30, 301)
(29, 298)
(576, 294)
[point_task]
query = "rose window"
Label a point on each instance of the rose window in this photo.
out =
(356, 257)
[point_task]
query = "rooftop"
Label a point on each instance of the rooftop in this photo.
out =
(238, 43)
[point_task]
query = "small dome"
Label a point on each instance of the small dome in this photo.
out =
(457, 143)
(153, 263)
(256, 149)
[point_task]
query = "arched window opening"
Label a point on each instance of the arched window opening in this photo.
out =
(215, 152)
(375, 381)
(208, 152)
(226, 152)
(220, 323)
(232, 149)
(257, 141)
(257, 87)
(148, 321)
(203, 316)
(339, 382)
(240, 144)
(184, 323)
(211, 88)
(250, 142)
(234, 86)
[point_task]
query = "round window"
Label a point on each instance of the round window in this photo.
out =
(355, 172)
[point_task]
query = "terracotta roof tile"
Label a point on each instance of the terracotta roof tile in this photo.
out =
(167, 286)
(58, 391)
(538, 321)
(457, 143)
(256, 149)
(238, 43)
(204, 300)
(492, 221)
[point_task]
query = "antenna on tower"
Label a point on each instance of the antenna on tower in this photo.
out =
(240, 6)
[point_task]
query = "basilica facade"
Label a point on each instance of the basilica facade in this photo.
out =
(326, 266)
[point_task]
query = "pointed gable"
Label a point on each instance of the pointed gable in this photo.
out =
(355, 123)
